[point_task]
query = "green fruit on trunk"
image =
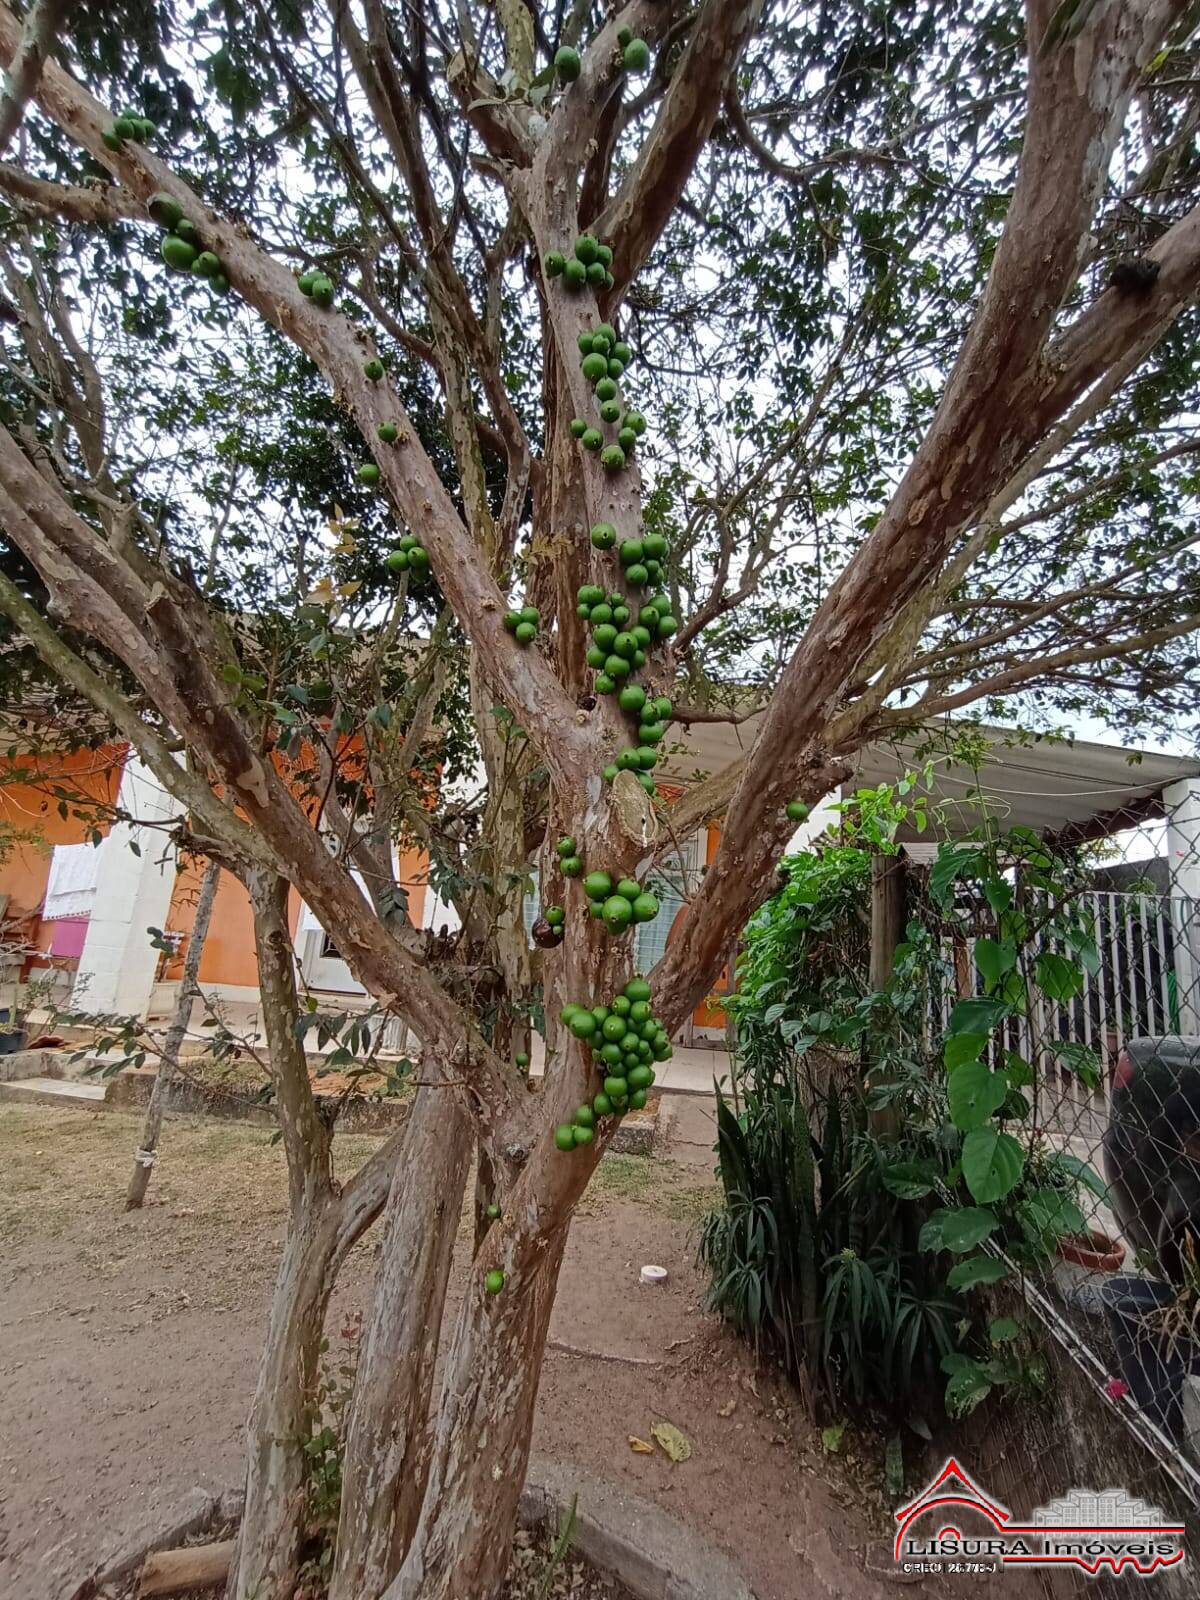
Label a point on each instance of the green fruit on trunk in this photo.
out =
(610, 411)
(606, 389)
(585, 248)
(604, 684)
(624, 645)
(642, 635)
(494, 1281)
(636, 55)
(638, 989)
(323, 290)
(574, 274)
(418, 560)
(616, 1088)
(620, 615)
(597, 273)
(566, 846)
(617, 667)
(624, 35)
(593, 439)
(612, 457)
(663, 1051)
(667, 625)
(632, 696)
(604, 633)
(219, 283)
(555, 916)
(618, 914)
(512, 620)
(388, 432)
(521, 1058)
(627, 760)
(578, 427)
(571, 866)
(655, 546)
(604, 536)
(125, 128)
(397, 561)
(206, 264)
(640, 1078)
(631, 551)
(178, 253)
(568, 64)
(493, 1212)
(564, 1136)
(613, 1028)
(636, 421)
(582, 1024)
(112, 138)
(630, 888)
(593, 367)
(664, 707)
(604, 254)
(622, 1006)
(797, 810)
(531, 614)
(647, 783)
(596, 657)
(590, 593)
(637, 1100)
(622, 352)
(651, 732)
(373, 369)
(647, 757)
(627, 439)
(598, 885)
(585, 1117)
(165, 209)
(583, 1135)
(602, 1105)
(645, 907)
(554, 263)
(525, 632)
(637, 575)
(608, 775)
(368, 473)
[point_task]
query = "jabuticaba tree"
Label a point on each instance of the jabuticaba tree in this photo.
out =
(655, 367)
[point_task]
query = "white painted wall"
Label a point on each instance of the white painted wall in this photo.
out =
(133, 894)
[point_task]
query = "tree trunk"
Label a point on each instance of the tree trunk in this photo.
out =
(282, 1414)
(485, 1420)
(389, 1439)
(189, 987)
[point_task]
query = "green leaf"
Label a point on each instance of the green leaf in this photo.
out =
(994, 958)
(831, 1438)
(909, 1180)
(1020, 1073)
(1056, 977)
(1002, 1330)
(1078, 1058)
(1063, 1161)
(976, 1016)
(963, 1047)
(954, 861)
(992, 1163)
(979, 1269)
(966, 1389)
(1049, 1213)
(974, 1093)
(957, 1229)
(998, 892)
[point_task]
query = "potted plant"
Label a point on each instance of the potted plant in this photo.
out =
(1085, 1261)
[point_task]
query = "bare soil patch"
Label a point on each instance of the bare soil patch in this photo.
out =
(131, 1341)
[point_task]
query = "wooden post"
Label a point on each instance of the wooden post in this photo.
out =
(889, 910)
(888, 914)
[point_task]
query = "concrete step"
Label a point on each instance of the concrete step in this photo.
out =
(53, 1091)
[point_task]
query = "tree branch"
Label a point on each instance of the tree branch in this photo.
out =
(38, 33)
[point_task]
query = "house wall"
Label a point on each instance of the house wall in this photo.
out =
(27, 804)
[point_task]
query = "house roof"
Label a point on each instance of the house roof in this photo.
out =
(1076, 789)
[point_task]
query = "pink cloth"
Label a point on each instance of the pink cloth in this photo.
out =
(68, 936)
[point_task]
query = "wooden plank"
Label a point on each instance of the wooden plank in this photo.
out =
(196, 1566)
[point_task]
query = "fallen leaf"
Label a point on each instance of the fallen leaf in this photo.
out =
(639, 1446)
(727, 1409)
(831, 1438)
(671, 1441)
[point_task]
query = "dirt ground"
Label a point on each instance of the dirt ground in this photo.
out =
(129, 1345)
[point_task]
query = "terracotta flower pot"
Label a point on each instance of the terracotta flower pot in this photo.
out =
(1094, 1251)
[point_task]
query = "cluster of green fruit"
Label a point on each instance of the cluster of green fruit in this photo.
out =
(635, 56)
(523, 624)
(650, 729)
(181, 248)
(129, 125)
(318, 286)
(410, 555)
(625, 1037)
(603, 359)
(591, 263)
(617, 904)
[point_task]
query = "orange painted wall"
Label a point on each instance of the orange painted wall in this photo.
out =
(27, 804)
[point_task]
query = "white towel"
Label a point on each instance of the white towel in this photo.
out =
(71, 887)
